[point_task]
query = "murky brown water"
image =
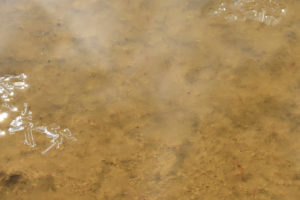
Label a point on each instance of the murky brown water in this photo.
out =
(167, 99)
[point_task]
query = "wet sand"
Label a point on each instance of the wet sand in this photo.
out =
(167, 101)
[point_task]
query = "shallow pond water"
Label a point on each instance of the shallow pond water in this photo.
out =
(165, 100)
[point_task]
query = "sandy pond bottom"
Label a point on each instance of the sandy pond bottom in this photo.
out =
(188, 100)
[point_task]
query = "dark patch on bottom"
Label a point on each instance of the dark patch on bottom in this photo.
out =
(12, 179)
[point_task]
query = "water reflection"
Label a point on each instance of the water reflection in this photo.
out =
(3, 116)
(269, 12)
(23, 121)
(2, 133)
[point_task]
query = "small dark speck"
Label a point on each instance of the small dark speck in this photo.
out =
(58, 24)
(293, 64)
(292, 35)
(49, 61)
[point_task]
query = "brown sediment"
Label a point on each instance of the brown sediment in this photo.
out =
(166, 100)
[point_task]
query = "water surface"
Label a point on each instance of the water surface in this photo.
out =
(167, 99)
